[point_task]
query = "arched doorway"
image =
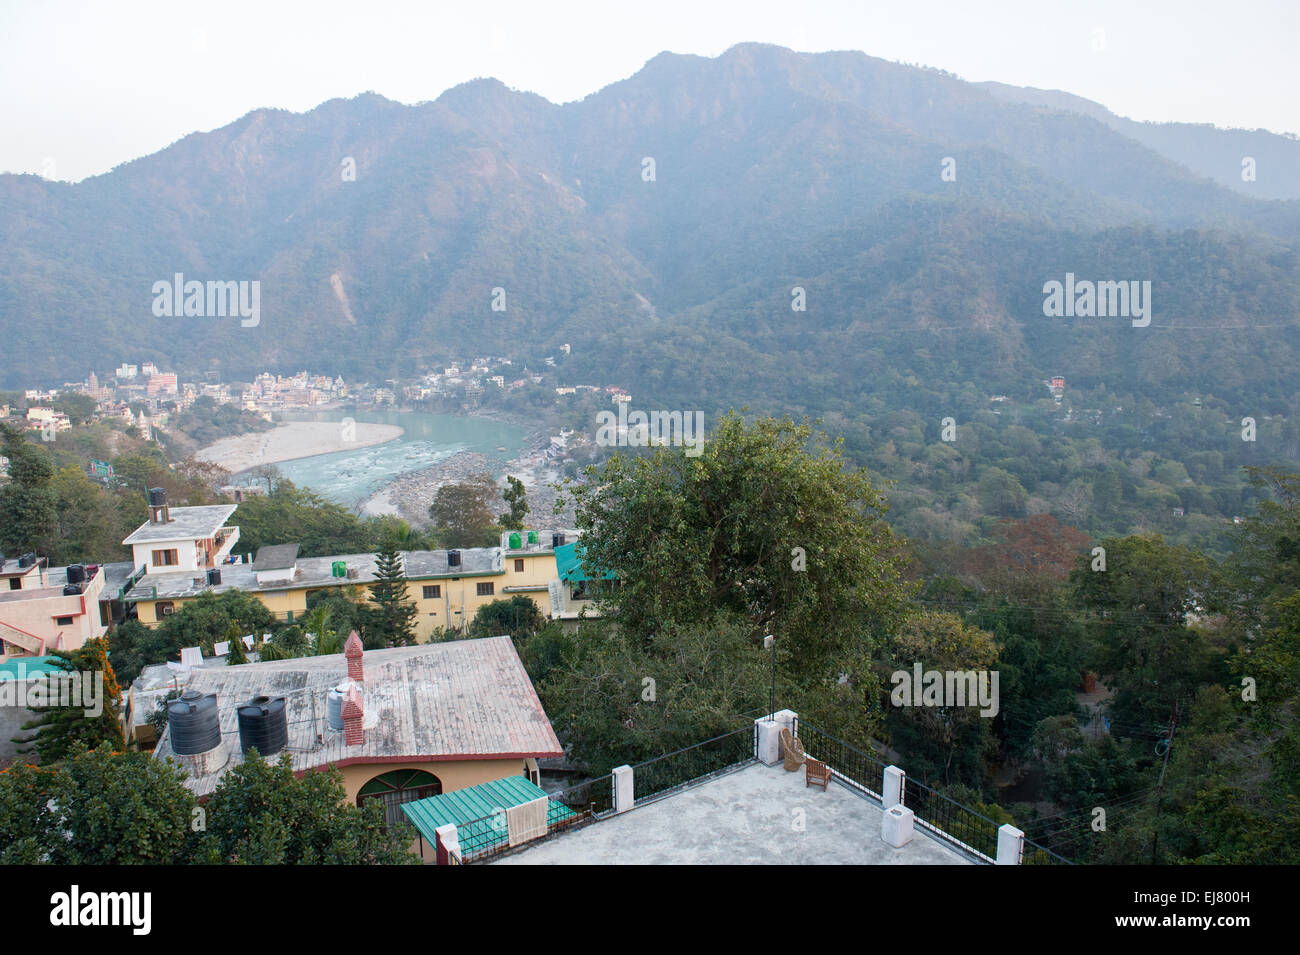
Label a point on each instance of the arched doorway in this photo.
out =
(397, 787)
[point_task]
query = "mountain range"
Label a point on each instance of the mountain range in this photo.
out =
(667, 225)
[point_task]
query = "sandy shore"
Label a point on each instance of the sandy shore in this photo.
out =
(295, 439)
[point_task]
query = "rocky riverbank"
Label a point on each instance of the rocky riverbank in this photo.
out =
(409, 496)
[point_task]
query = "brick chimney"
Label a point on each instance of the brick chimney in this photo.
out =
(354, 734)
(352, 650)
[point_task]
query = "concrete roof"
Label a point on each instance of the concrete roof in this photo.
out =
(9, 567)
(187, 523)
(116, 575)
(318, 572)
(544, 538)
(275, 557)
(465, 699)
(746, 817)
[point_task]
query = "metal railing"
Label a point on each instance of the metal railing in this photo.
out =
(1031, 853)
(949, 820)
(665, 774)
(489, 836)
(861, 770)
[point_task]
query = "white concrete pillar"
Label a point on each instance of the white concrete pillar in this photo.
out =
(624, 794)
(1011, 842)
(767, 747)
(448, 844)
(897, 825)
(891, 788)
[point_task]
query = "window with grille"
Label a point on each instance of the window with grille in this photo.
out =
(486, 590)
(432, 591)
(397, 787)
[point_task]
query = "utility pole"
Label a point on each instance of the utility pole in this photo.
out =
(1160, 788)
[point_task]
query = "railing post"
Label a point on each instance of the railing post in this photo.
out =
(624, 793)
(768, 744)
(1011, 843)
(891, 789)
(448, 848)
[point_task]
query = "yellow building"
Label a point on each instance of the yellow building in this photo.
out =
(447, 587)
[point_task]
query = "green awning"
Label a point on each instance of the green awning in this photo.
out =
(479, 812)
(568, 563)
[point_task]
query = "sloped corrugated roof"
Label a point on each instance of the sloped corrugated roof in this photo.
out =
(478, 811)
(466, 699)
(569, 566)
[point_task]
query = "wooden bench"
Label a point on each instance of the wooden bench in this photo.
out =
(817, 772)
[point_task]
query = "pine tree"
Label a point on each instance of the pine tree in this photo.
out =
(395, 613)
(236, 656)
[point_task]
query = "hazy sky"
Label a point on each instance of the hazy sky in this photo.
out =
(86, 86)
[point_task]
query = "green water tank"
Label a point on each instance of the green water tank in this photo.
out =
(532, 537)
(339, 568)
(515, 541)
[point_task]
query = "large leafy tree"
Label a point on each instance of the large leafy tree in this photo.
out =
(97, 807)
(289, 513)
(90, 523)
(1139, 607)
(202, 621)
(620, 698)
(766, 528)
(28, 503)
(461, 513)
(394, 623)
(948, 743)
(517, 616)
(768, 522)
(262, 814)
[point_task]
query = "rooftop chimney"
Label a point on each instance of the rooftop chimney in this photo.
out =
(354, 733)
(353, 650)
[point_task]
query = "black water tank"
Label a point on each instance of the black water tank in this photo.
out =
(195, 723)
(214, 576)
(453, 558)
(264, 724)
(157, 496)
(26, 560)
(76, 574)
(71, 590)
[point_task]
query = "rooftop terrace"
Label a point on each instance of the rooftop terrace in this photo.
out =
(731, 801)
(754, 815)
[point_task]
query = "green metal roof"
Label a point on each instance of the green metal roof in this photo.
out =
(478, 812)
(568, 563)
